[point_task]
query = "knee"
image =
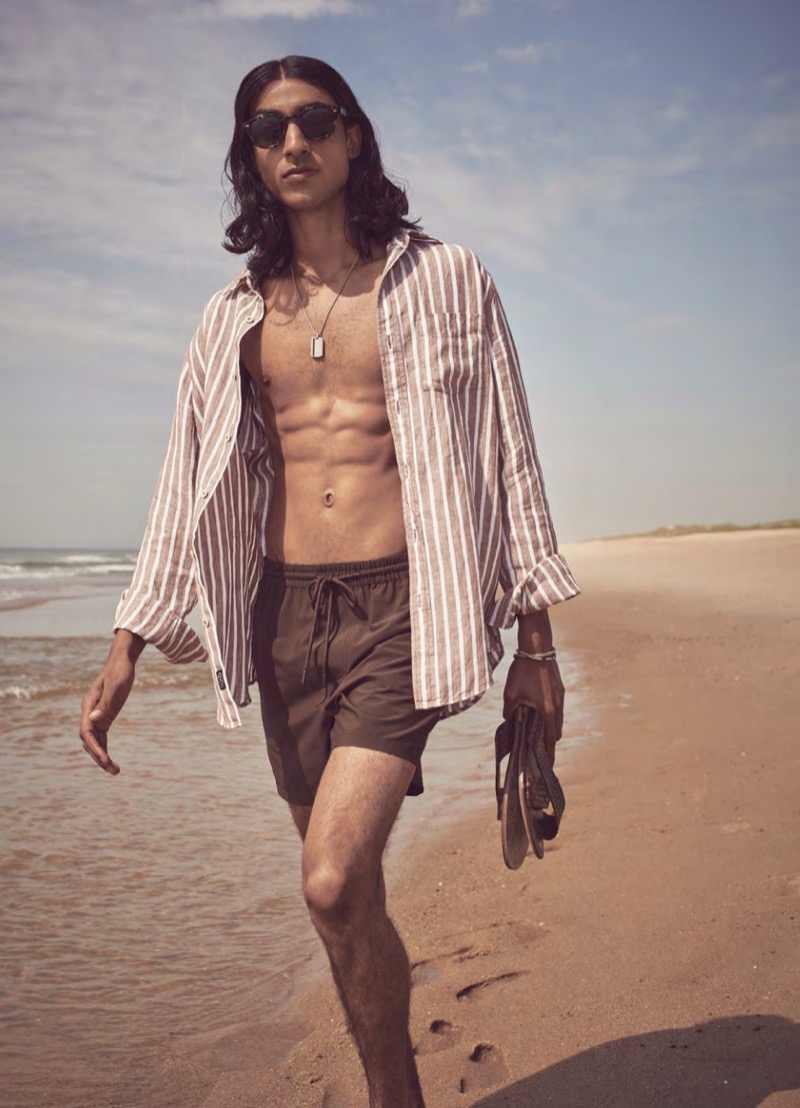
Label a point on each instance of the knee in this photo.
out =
(335, 898)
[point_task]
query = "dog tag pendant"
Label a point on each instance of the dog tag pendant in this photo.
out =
(317, 346)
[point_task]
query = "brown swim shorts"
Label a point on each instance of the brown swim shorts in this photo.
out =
(332, 653)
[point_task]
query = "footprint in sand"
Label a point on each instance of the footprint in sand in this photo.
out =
(497, 936)
(428, 970)
(441, 1035)
(485, 1067)
(476, 989)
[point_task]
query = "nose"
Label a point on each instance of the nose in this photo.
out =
(294, 141)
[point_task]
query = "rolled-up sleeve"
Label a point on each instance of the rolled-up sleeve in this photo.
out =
(162, 591)
(533, 574)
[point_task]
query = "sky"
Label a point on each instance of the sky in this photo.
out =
(628, 170)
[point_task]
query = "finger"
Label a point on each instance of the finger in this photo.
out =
(100, 756)
(102, 716)
(95, 743)
(96, 746)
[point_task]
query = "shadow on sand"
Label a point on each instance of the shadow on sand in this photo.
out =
(735, 1063)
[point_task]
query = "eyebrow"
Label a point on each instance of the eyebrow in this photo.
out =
(299, 108)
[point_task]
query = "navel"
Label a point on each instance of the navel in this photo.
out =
(327, 498)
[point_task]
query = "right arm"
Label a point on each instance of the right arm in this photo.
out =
(162, 590)
(106, 696)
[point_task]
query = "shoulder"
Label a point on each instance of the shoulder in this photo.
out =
(241, 291)
(227, 306)
(452, 258)
(449, 272)
(451, 254)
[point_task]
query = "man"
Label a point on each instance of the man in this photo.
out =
(350, 476)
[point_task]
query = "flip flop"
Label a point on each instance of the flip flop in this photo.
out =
(530, 786)
(513, 832)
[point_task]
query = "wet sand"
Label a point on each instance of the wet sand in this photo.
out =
(652, 957)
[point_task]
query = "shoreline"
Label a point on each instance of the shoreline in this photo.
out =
(663, 919)
(636, 963)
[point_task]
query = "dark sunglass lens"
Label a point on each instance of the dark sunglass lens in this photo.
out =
(318, 122)
(266, 130)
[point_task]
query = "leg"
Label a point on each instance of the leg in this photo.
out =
(355, 808)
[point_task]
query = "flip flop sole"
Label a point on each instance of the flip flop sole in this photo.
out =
(513, 833)
(529, 788)
(531, 816)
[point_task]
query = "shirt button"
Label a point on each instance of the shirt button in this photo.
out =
(406, 471)
(205, 493)
(397, 405)
(228, 438)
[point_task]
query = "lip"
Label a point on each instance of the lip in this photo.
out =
(299, 171)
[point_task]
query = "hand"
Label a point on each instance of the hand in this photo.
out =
(539, 685)
(100, 707)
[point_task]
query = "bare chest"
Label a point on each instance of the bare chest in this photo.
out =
(325, 349)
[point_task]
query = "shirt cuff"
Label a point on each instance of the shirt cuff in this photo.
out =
(161, 627)
(548, 583)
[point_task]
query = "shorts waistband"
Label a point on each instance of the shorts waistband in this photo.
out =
(371, 572)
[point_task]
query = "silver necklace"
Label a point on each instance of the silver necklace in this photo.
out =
(317, 341)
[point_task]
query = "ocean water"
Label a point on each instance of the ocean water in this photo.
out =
(148, 916)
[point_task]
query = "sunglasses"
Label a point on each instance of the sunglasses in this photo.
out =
(316, 122)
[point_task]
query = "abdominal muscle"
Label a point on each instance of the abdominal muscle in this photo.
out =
(336, 495)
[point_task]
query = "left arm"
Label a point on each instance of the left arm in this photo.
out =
(533, 574)
(535, 683)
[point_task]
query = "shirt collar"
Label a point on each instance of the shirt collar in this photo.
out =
(395, 249)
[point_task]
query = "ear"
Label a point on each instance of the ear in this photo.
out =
(353, 140)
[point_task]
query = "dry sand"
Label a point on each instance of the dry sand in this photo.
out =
(652, 958)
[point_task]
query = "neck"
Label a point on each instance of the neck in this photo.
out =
(320, 247)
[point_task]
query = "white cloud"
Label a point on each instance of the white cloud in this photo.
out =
(462, 205)
(679, 108)
(119, 156)
(478, 66)
(775, 132)
(532, 52)
(471, 9)
(58, 310)
(275, 9)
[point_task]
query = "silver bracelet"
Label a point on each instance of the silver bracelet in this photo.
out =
(546, 656)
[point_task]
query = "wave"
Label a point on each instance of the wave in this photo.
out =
(32, 692)
(66, 568)
(85, 559)
(27, 689)
(10, 596)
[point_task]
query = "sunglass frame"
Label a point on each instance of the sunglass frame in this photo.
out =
(295, 117)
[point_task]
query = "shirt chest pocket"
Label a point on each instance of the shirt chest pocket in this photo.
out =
(450, 347)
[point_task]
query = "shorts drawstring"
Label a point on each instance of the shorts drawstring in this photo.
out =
(322, 592)
(323, 583)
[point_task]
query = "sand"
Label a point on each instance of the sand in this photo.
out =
(652, 957)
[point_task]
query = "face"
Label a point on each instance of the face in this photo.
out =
(302, 173)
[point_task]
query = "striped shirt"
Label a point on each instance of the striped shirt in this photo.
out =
(481, 544)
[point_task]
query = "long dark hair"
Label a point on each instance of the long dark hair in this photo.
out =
(376, 206)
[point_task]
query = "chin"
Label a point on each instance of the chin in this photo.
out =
(298, 200)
